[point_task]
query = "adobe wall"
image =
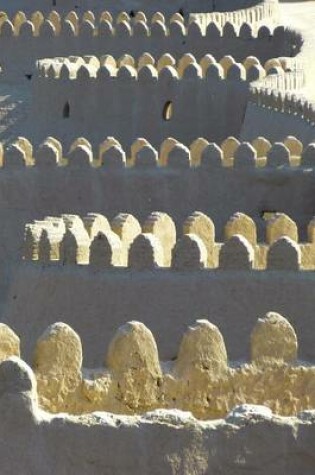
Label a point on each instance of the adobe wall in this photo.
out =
(86, 444)
(27, 41)
(202, 379)
(86, 299)
(63, 6)
(282, 183)
(127, 108)
(36, 193)
(274, 124)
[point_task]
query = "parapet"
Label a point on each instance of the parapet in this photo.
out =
(268, 438)
(288, 103)
(166, 67)
(265, 13)
(259, 154)
(125, 243)
(201, 379)
(248, 23)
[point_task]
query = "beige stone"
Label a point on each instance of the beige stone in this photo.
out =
(242, 224)
(95, 223)
(74, 247)
(284, 254)
(189, 253)
(196, 150)
(162, 226)
(146, 252)
(127, 227)
(202, 349)
(273, 339)
(202, 226)
(262, 147)
(281, 225)
(57, 363)
(229, 147)
(134, 362)
(212, 157)
(165, 149)
(236, 254)
(106, 250)
(9, 343)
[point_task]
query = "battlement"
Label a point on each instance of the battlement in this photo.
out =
(288, 103)
(110, 155)
(133, 442)
(125, 243)
(146, 68)
(258, 21)
(26, 38)
(264, 13)
(199, 380)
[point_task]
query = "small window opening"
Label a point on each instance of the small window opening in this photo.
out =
(267, 214)
(28, 76)
(181, 12)
(66, 111)
(168, 110)
(132, 14)
(54, 3)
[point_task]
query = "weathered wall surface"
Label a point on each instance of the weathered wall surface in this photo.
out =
(104, 300)
(159, 443)
(34, 193)
(275, 125)
(127, 108)
(63, 6)
(26, 44)
(133, 379)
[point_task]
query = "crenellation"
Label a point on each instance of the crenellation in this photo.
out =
(280, 225)
(156, 244)
(74, 247)
(236, 254)
(127, 227)
(188, 130)
(146, 252)
(273, 339)
(284, 254)
(232, 69)
(106, 249)
(189, 253)
(200, 379)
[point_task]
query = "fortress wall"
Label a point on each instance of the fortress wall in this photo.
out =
(38, 191)
(80, 6)
(132, 379)
(86, 299)
(67, 442)
(93, 241)
(70, 38)
(265, 12)
(129, 108)
(275, 122)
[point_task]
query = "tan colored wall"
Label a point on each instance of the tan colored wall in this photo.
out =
(68, 239)
(201, 380)
(277, 124)
(41, 191)
(130, 107)
(132, 444)
(28, 41)
(86, 299)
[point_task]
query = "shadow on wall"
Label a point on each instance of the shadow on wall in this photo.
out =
(155, 109)
(164, 6)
